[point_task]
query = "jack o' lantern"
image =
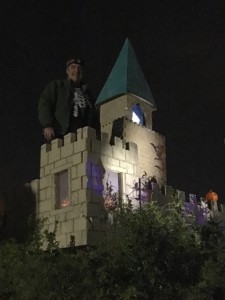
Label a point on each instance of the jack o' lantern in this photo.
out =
(211, 196)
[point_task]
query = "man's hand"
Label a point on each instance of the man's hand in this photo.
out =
(48, 133)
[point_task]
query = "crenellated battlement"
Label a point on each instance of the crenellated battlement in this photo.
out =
(84, 159)
(86, 140)
(133, 127)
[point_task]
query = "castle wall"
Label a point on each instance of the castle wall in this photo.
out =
(122, 107)
(86, 159)
(151, 145)
(89, 165)
(151, 150)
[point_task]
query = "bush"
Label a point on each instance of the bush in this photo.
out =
(152, 254)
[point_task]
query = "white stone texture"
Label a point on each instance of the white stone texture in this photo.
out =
(55, 152)
(75, 197)
(73, 172)
(63, 210)
(81, 169)
(76, 184)
(106, 149)
(77, 158)
(67, 226)
(48, 168)
(105, 137)
(113, 161)
(61, 162)
(84, 182)
(49, 192)
(44, 206)
(43, 215)
(80, 224)
(75, 213)
(43, 194)
(42, 172)
(82, 145)
(67, 150)
(44, 154)
(61, 217)
(119, 152)
(113, 110)
(88, 132)
(61, 238)
(45, 182)
(69, 138)
(82, 196)
(129, 167)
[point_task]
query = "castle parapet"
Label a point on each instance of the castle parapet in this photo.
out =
(78, 164)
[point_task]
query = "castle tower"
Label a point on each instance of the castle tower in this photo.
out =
(82, 177)
(126, 106)
(74, 174)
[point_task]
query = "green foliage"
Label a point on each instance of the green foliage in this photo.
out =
(154, 252)
(151, 254)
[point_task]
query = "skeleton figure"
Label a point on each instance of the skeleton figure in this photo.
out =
(79, 101)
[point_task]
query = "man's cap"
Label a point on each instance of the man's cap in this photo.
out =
(73, 60)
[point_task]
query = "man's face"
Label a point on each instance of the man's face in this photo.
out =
(74, 72)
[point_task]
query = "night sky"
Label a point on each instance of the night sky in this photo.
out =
(180, 46)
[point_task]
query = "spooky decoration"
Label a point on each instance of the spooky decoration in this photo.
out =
(211, 196)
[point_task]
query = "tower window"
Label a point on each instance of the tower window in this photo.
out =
(138, 115)
(61, 190)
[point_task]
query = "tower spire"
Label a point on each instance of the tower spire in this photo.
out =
(126, 77)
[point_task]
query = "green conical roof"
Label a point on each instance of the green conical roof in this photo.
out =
(126, 77)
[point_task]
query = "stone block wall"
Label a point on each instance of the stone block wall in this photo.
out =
(151, 150)
(86, 159)
(122, 107)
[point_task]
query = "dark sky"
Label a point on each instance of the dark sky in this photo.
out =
(180, 46)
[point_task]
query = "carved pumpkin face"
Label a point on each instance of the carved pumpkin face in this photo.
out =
(211, 196)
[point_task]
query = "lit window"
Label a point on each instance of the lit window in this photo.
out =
(138, 115)
(135, 118)
(62, 190)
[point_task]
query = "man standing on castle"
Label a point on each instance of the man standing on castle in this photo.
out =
(65, 105)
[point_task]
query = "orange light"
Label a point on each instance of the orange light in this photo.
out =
(108, 203)
(211, 196)
(65, 203)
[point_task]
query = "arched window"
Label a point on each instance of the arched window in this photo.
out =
(138, 115)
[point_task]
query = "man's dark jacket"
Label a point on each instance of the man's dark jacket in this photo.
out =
(55, 105)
